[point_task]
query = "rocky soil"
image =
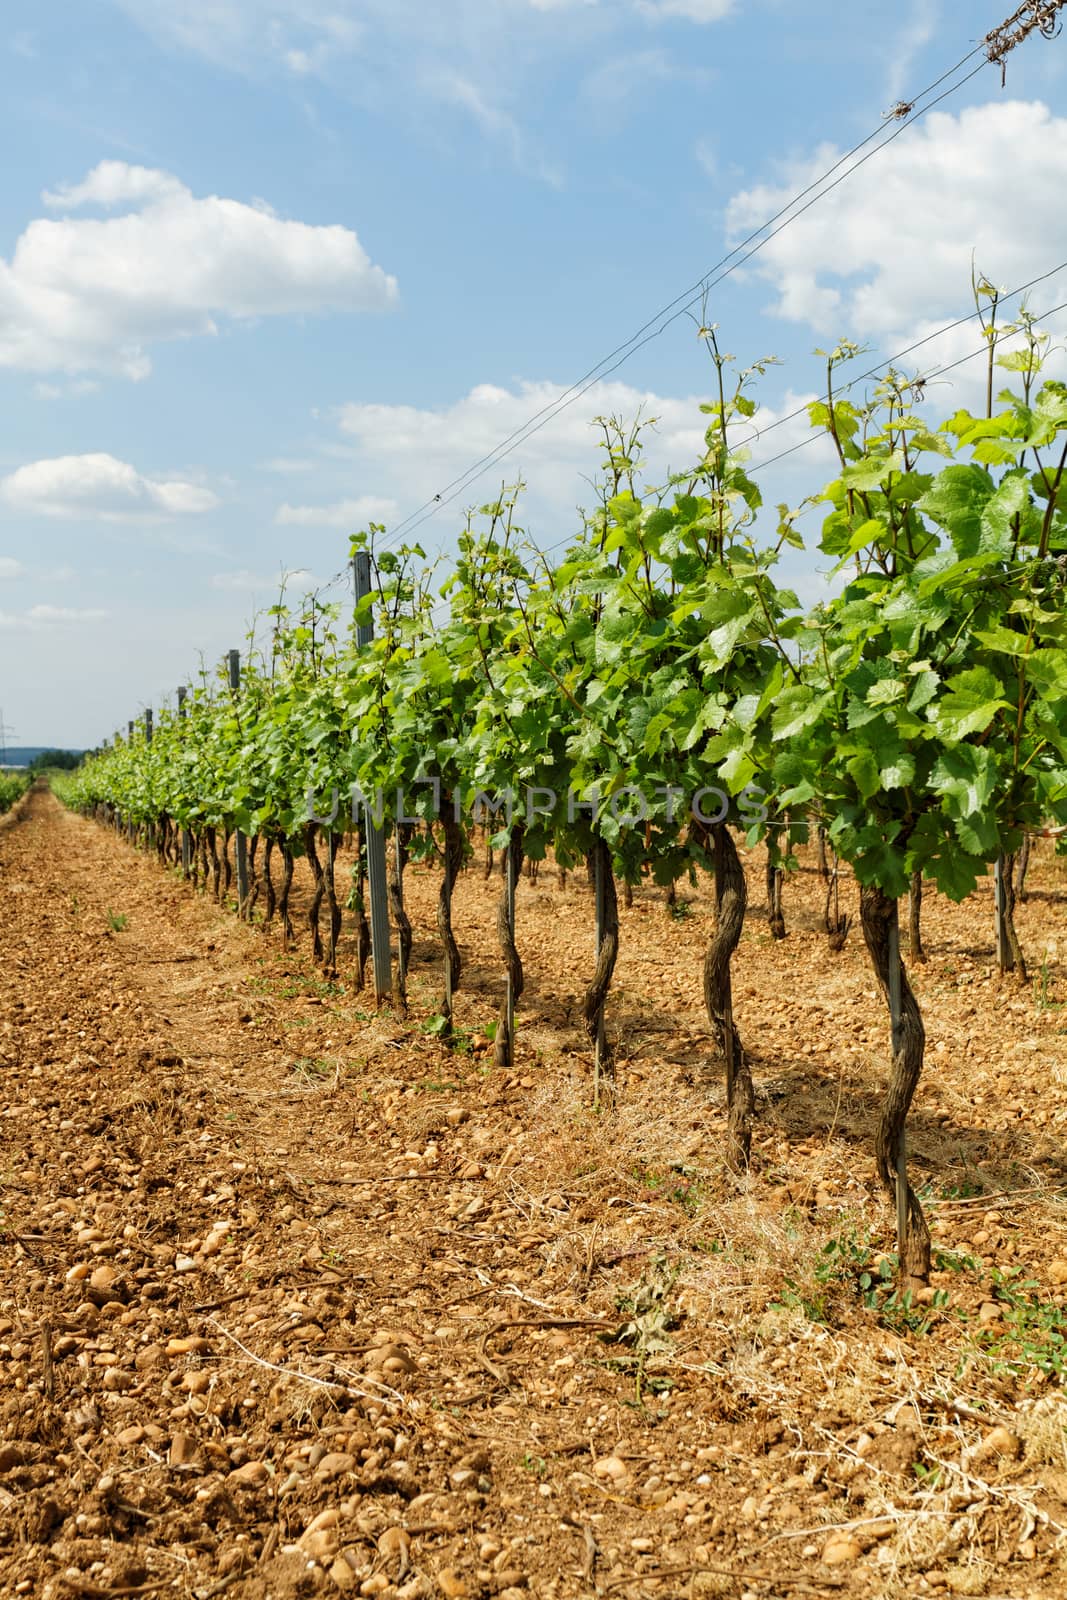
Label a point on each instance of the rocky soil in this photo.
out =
(297, 1300)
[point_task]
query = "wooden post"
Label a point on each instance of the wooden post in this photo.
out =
(896, 1020)
(377, 876)
(187, 838)
(241, 843)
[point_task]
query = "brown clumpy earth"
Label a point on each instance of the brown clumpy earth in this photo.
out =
(297, 1300)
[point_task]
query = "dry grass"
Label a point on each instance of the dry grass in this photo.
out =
(1043, 1427)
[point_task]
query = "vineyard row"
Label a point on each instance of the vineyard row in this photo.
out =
(916, 716)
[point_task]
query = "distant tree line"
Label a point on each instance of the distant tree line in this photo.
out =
(65, 760)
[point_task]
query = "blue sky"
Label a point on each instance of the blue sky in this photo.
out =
(271, 267)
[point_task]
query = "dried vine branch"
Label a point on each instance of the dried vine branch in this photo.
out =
(1039, 15)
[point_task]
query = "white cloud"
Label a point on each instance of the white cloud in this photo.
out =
(46, 613)
(91, 294)
(10, 569)
(354, 514)
(48, 616)
(415, 453)
(245, 582)
(114, 183)
(101, 487)
(435, 440)
(893, 246)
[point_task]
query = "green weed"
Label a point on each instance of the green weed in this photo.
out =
(1043, 997)
(675, 1185)
(315, 1068)
(846, 1272)
(1034, 1338)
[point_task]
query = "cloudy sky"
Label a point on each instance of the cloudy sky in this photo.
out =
(272, 268)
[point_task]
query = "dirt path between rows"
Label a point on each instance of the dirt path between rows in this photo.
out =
(296, 1301)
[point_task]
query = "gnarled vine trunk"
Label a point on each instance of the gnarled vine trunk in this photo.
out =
(731, 898)
(283, 895)
(837, 922)
(401, 920)
(1018, 960)
(253, 882)
(216, 864)
(775, 914)
(331, 902)
(1009, 951)
(878, 915)
(320, 886)
(227, 866)
(504, 1044)
(270, 899)
(915, 907)
(596, 996)
(453, 864)
(1022, 863)
(357, 900)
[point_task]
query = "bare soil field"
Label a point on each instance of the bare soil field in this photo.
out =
(297, 1300)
